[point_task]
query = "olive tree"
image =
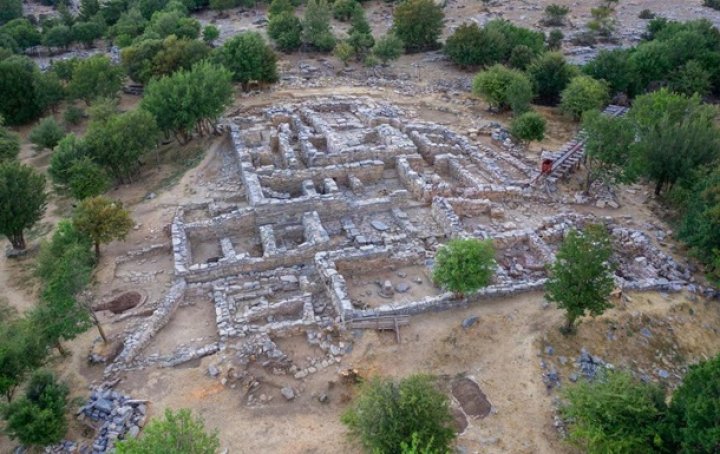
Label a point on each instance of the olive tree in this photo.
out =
(419, 24)
(102, 220)
(581, 278)
(176, 432)
(464, 265)
(22, 200)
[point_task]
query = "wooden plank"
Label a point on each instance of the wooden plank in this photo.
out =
(384, 322)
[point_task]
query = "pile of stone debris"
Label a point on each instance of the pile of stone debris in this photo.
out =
(119, 417)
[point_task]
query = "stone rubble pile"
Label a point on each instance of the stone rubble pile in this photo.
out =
(117, 417)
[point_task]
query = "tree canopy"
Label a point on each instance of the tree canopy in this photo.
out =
(249, 58)
(419, 24)
(177, 432)
(387, 415)
(95, 77)
(465, 265)
(22, 200)
(581, 277)
(102, 220)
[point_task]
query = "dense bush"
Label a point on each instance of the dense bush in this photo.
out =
(615, 413)
(387, 415)
(286, 30)
(504, 88)
(418, 23)
(550, 74)
(583, 93)
(343, 9)
(388, 47)
(469, 45)
(46, 134)
(528, 127)
(9, 144)
(95, 77)
(555, 39)
(23, 200)
(10, 9)
(612, 66)
(464, 265)
(249, 58)
(20, 90)
(156, 58)
(316, 26)
(554, 15)
(38, 418)
(177, 432)
(521, 57)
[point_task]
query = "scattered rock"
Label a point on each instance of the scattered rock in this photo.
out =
(288, 393)
(379, 225)
(470, 321)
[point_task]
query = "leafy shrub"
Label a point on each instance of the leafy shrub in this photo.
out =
(316, 26)
(694, 413)
(343, 9)
(555, 39)
(387, 415)
(614, 414)
(176, 432)
(87, 179)
(286, 30)
(46, 134)
(248, 57)
(550, 74)
(38, 418)
(582, 94)
(73, 116)
(691, 78)
(9, 144)
(504, 88)
(554, 15)
(210, 34)
(521, 57)
(528, 127)
(418, 23)
(612, 66)
(388, 47)
(344, 52)
(464, 265)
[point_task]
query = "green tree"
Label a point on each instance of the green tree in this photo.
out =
(694, 413)
(360, 33)
(418, 23)
(22, 200)
(222, 5)
(464, 265)
(555, 39)
(210, 34)
(278, 7)
(130, 25)
(23, 33)
(550, 74)
(95, 77)
(615, 413)
(388, 47)
(50, 91)
(691, 78)
(675, 135)
(528, 127)
(513, 36)
(189, 99)
(521, 57)
(316, 26)
(387, 415)
(9, 10)
(19, 90)
(86, 32)
(88, 9)
(469, 45)
(155, 58)
(59, 36)
(87, 179)
(177, 432)
(583, 93)
(581, 278)
(286, 30)
(67, 151)
(344, 9)
(612, 66)
(103, 220)
(249, 58)
(700, 223)
(344, 52)
(73, 116)
(554, 15)
(22, 351)
(9, 144)
(46, 134)
(38, 419)
(607, 148)
(166, 23)
(118, 143)
(504, 88)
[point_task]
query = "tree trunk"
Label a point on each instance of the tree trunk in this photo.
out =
(569, 325)
(101, 331)
(658, 187)
(97, 250)
(61, 349)
(18, 240)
